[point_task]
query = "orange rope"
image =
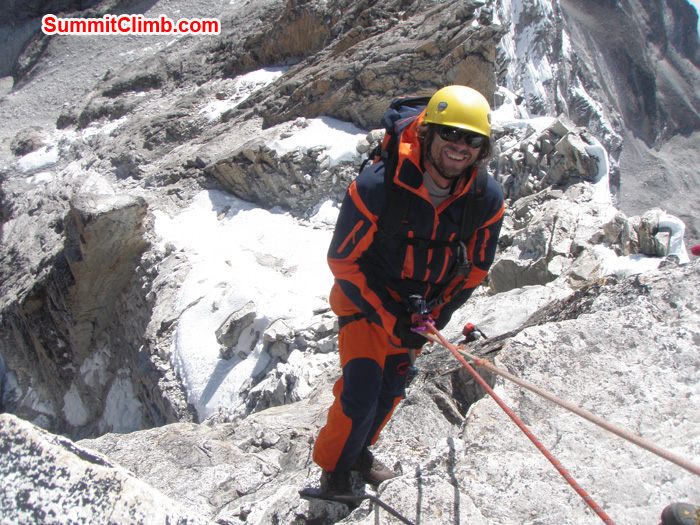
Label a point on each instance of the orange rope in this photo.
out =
(620, 432)
(557, 465)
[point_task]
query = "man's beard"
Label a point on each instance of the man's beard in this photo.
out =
(447, 174)
(442, 170)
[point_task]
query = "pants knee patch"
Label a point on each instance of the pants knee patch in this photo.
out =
(362, 382)
(395, 373)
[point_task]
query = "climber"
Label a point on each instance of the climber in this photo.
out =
(680, 514)
(429, 181)
(695, 250)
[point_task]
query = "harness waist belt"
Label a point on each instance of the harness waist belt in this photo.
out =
(347, 319)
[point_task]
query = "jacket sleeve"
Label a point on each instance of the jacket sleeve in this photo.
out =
(354, 233)
(481, 252)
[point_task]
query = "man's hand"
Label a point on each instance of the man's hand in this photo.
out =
(402, 330)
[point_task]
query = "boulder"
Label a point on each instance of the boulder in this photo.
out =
(639, 235)
(544, 236)
(28, 140)
(558, 156)
(50, 479)
(295, 181)
(277, 339)
(229, 333)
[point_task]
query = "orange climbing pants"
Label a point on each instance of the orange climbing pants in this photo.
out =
(373, 382)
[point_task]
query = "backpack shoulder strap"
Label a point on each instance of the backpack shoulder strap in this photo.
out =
(401, 111)
(472, 207)
(397, 199)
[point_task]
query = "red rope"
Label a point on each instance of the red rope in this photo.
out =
(557, 465)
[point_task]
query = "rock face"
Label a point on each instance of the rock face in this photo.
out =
(458, 455)
(83, 302)
(587, 339)
(384, 51)
(295, 181)
(651, 106)
(570, 61)
(596, 77)
(49, 479)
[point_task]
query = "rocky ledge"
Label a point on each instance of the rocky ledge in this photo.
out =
(458, 455)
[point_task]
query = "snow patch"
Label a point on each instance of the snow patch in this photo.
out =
(510, 110)
(243, 88)
(122, 413)
(94, 367)
(337, 137)
(6, 84)
(44, 156)
(239, 253)
(601, 186)
(104, 129)
(74, 408)
(327, 214)
(623, 266)
(677, 244)
(40, 178)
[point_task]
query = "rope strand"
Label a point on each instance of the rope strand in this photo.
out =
(618, 431)
(557, 465)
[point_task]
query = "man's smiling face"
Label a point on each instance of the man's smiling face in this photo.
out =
(452, 158)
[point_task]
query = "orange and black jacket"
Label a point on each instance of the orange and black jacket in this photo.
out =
(378, 274)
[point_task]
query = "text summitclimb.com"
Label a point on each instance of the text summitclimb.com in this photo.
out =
(128, 25)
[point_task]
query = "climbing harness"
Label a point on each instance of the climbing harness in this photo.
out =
(354, 500)
(421, 308)
(427, 328)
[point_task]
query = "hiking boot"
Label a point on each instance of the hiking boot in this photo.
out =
(372, 470)
(338, 483)
(681, 514)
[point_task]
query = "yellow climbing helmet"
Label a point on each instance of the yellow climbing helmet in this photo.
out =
(460, 107)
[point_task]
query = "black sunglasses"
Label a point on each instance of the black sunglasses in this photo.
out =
(448, 134)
